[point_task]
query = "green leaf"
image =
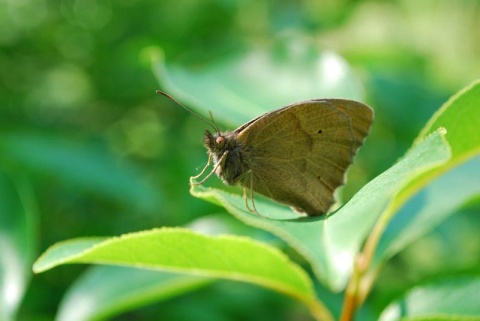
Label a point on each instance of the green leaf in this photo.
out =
(105, 291)
(241, 87)
(457, 184)
(181, 250)
(89, 168)
(446, 299)
(17, 235)
(331, 245)
(428, 208)
(459, 115)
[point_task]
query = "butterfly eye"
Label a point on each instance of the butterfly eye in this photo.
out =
(220, 140)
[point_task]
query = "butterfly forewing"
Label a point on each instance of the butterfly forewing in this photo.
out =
(298, 155)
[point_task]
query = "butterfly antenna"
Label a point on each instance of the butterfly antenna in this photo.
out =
(212, 123)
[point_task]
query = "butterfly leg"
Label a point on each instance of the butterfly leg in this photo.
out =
(203, 170)
(252, 199)
(220, 162)
(245, 197)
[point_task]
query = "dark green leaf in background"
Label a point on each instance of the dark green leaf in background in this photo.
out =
(91, 168)
(239, 88)
(18, 226)
(100, 294)
(447, 299)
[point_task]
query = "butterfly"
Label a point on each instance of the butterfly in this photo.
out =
(296, 155)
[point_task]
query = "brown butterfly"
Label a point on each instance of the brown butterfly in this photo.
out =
(296, 155)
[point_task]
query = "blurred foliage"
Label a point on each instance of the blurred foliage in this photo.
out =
(93, 151)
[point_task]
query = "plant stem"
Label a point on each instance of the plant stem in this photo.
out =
(351, 302)
(349, 306)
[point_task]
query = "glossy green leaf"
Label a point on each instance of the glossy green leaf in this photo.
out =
(330, 245)
(17, 229)
(89, 168)
(457, 185)
(239, 88)
(429, 207)
(181, 250)
(446, 299)
(105, 291)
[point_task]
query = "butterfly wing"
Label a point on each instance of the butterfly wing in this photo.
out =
(298, 155)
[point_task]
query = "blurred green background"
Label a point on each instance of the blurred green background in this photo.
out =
(92, 150)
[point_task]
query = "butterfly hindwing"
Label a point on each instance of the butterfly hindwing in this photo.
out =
(298, 155)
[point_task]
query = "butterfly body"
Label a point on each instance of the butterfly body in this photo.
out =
(235, 162)
(296, 155)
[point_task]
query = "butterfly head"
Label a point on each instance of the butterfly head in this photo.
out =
(226, 152)
(216, 143)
